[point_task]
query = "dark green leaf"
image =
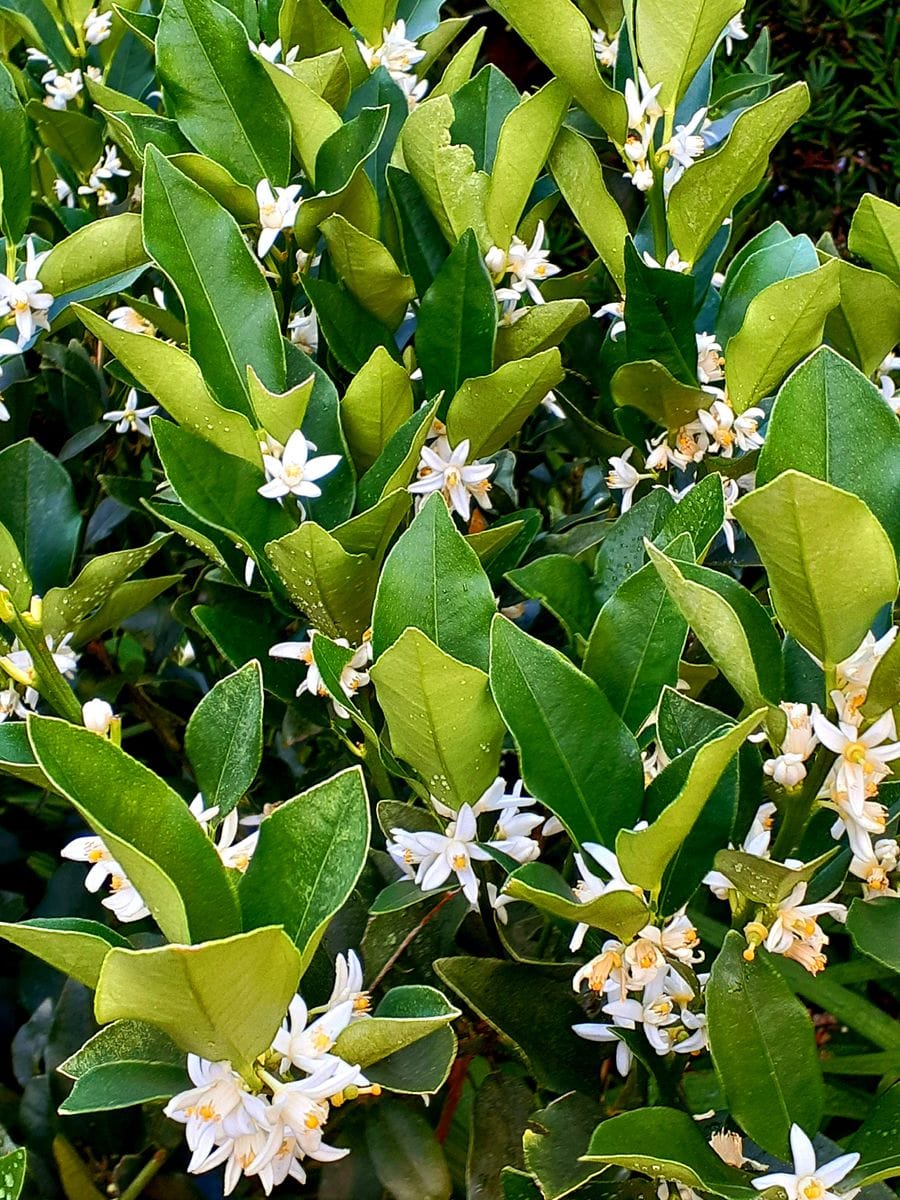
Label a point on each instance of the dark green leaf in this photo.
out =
(223, 739)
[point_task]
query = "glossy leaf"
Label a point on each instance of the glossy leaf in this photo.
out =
(489, 410)
(405, 1016)
(375, 405)
(874, 926)
(15, 174)
(70, 944)
(224, 738)
(621, 913)
(671, 53)
(38, 509)
(875, 235)
(369, 271)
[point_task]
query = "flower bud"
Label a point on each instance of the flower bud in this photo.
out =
(97, 716)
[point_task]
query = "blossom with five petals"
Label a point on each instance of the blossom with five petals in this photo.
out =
(131, 418)
(808, 1180)
(277, 210)
(444, 469)
(295, 473)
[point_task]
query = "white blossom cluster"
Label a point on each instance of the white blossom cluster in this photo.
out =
(353, 676)
(398, 54)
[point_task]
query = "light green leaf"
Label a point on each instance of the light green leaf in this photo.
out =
(760, 879)
(311, 26)
(70, 944)
(224, 738)
(230, 310)
(672, 52)
(763, 1048)
(97, 251)
(313, 120)
(370, 531)
(310, 853)
(875, 235)
(460, 67)
(335, 589)
(405, 1016)
(802, 528)
(221, 1000)
(432, 581)
(369, 271)
(577, 756)
(620, 913)
(782, 324)
(704, 196)
(645, 854)
(236, 198)
(280, 413)
(579, 177)
(540, 327)
(375, 405)
(216, 88)
(526, 138)
(370, 17)
(417, 685)
(13, 572)
(651, 387)
(561, 37)
(884, 688)
(865, 325)
(491, 409)
(145, 825)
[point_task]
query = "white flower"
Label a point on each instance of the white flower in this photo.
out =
(97, 27)
(277, 211)
(726, 429)
(272, 54)
(443, 469)
(353, 675)
(308, 1046)
(606, 50)
(397, 53)
(525, 265)
(33, 55)
(875, 868)
(132, 419)
(641, 178)
(616, 310)
(24, 300)
(709, 358)
(624, 477)
(854, 674)
(890, 393)
(61, 87)
(499, 902)
(593, 1031)
(235, 855)
(413, 88)
(11, 705)
(604, 969)
(863, 758)
(795, 932)
(126, 318)
(591, 887)
(788, 769)
(809, 1181)
(295, 473)
(124, 900)
(678, 938)
(64, 193)
(431, 858)
(674, 262)
(97, 716)
(734, 32)
(685, 146)
(553, 406)
(21, 667)
(300, 1109)
(641, 101)
(108, 167)
(303, 330)
(348, 985)
(218, 1108)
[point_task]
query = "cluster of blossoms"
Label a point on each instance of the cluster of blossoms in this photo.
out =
(518, 271)
(398, 54)
(23, 304)
(354, 674)
(446, 469)
(124, 900)
(265, 1125)
(19, 666)
(430, 858)
(107, 168)
(647, 983)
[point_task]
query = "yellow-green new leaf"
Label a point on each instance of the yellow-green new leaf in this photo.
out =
(419, 687)
(705, 195)
(875, 235)
(368, 269)
(221, 1000)
(673, 48)
(94, 252)
(806, 532)
(70, 944)
(375, 405)
(579, 177)
(279, 413)
(313, 120)
(490, 409)
(405, 1016)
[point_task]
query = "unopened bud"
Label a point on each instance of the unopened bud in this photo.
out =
(97, 716)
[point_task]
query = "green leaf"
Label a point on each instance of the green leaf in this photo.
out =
(701, 513)
(831, 423)
(236, 198)
(353, 334)
(635, 646)
(540, 327)
(704, 196)
(124, 1084)
(490, 409)
(645, 854)
(145, 825)
(672, 52)
(654, 390)
(884, 687)
(557, 1139)
(563, 586)
(216, 88)
(221, 1000)
(579, 176)
(76, 1178)
(457, 321)
(12, 1174)
(368, 271)
(665, 1143)
(65, 608)
(432, 581)
(763, 1048)
(370, 17)
(97, 251)
(731, 624)
(377, 402)
(16, 758)
(334, 588)
(224, 738)
(421, 1069)
(481, 106)
(13, 572)
(309, 24)
(405, 1016)
(122, 1041)
(38, 508)
(874, 926)
(577, 756)
(782, 324)
(70, 134)
(280, 413)
(370, 531)
(875, 235)
(802, 528)
(230, 310)
(308, 858)
(70, 944)
(417, 685)
(526, 138)
(535, 1007)
(394, 467)
(406, 1155)
(865, 324)
(760, 879)
(500, 1113)
(561, 37)
(621, 913)
(15, 173)
(621, 552)
(876, 1141)
(764, 263)
(348, 147)
(659, 317)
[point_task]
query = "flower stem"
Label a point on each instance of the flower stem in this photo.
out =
(143, 1177)
(800, 808)
(658, 217)
(48, 680)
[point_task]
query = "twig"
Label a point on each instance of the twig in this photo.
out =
(408, 940)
